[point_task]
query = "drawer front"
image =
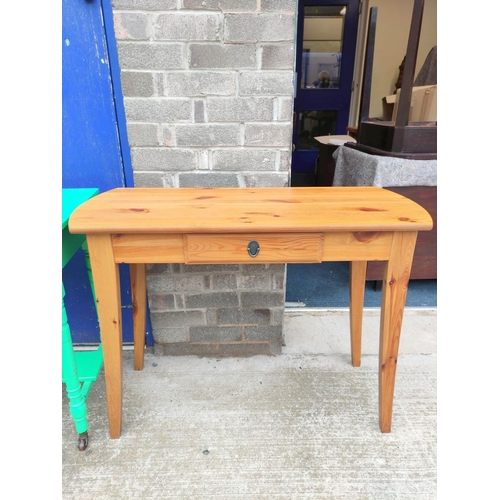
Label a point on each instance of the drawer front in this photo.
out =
(253, 248)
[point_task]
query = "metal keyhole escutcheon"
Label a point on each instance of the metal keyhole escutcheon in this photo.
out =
(253, 248)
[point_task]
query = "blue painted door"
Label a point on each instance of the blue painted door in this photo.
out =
(95, 150)
(326, 45)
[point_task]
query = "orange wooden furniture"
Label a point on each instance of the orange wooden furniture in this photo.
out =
(251, 226)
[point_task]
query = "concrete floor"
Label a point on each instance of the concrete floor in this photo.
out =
(302, 425)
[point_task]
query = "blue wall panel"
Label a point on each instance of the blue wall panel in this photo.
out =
(95, 150)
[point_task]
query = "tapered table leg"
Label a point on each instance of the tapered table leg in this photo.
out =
(107, 291)
(394, 289)
(356, 302)
(138, 282)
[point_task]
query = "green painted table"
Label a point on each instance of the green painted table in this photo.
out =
(79, 369)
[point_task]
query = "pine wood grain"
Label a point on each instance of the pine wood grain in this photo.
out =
(394, 289)
(189, 225)
(356, 298)
(232, 249)
(167, 248)
(108, 298)
(229, 210)
(138, 285)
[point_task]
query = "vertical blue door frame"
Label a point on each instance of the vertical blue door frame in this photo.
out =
(78, 300)
(117, 91)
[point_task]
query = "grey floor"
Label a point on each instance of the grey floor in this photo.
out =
(302, 425)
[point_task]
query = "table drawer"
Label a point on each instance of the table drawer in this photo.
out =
(253, 248)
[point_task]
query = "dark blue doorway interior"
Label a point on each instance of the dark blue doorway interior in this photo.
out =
(326, 43)
(95, 152)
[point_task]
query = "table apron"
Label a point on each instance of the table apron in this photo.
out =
(157, 248)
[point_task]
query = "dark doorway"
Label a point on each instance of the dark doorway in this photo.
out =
(326, 43)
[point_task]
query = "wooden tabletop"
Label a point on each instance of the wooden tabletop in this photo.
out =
(236, 210)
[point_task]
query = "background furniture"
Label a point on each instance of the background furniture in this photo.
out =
(400, 138)
(423, 105)
(325, 164)
(79, 369)
(414, 179)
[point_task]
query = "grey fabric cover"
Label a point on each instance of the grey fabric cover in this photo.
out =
(355, 168)
(428, 73)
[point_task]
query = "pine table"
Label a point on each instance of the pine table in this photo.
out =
(139, 226)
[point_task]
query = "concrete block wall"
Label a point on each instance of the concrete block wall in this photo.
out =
(208, 94)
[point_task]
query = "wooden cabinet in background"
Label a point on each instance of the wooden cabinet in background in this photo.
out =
(425, 257)
(325, 167)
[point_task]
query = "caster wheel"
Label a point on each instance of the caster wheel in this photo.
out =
(83, 441)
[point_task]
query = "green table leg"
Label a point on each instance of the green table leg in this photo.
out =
(80, 369)
(77, 404)
(85, 249)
